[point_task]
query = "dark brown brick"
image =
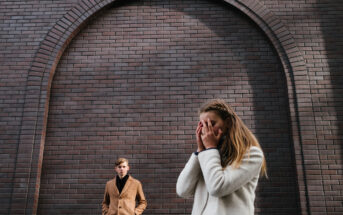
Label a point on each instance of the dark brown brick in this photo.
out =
(130, 82)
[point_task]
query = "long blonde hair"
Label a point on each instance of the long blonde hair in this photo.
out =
(237, 137)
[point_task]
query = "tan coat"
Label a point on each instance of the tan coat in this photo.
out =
(124, 203)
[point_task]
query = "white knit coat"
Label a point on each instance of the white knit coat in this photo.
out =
(218, 191)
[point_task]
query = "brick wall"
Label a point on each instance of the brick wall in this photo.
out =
(130, 83)
(316, 29)
(23, 26)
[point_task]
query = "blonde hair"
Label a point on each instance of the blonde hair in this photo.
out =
(120, 161)
(237, 137)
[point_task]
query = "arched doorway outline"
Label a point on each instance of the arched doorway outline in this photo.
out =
(41, 73)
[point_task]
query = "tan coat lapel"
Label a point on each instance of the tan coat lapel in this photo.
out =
(126, 186)
(115, 188)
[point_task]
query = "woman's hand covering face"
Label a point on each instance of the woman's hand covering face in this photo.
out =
(211, 129)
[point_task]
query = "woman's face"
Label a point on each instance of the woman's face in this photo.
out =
(216, 121)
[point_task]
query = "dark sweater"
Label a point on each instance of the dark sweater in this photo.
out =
(121, 182)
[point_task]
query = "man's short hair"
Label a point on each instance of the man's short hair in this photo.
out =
(120, 161)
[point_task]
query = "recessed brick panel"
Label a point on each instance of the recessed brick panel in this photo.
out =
(130, 85)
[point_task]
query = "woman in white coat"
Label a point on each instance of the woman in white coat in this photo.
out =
(222, 174)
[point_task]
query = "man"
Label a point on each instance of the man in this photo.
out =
(122, 192)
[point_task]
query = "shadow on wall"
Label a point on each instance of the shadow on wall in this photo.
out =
(278, 194)
(331, 16)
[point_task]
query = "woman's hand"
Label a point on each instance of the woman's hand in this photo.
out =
(208, 136)
(198, 136)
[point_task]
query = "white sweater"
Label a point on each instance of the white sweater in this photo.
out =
(218, 191)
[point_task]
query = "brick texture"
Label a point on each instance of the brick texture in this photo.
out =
(134, 92)
(129, 84)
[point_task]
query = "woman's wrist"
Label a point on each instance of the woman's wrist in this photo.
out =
(205, 149)
(199, 150)
(210, 146)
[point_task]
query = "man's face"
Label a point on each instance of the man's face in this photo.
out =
(122, 169)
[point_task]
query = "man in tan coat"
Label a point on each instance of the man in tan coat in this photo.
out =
(122, 192)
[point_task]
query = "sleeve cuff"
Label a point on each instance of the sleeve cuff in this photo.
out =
(196, 153)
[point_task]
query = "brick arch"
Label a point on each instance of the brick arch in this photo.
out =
(33, 130)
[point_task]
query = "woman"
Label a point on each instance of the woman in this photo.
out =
(222, 174)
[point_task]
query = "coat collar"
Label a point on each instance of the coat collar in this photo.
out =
(127, 184)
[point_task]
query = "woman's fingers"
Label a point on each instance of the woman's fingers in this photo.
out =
(199, 127)
(198, 137)
(219, 135)
(204, 125)
(198, 131)
(209, 125)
